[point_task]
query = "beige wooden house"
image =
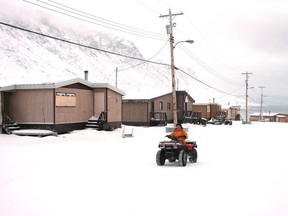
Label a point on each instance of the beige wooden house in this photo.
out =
(157, 110)
(62, 106)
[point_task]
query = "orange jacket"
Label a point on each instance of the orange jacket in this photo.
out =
(180, 134)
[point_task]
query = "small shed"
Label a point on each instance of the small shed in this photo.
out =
(62, 106)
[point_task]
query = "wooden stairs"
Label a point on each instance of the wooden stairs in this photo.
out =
(8, 125)
(97, 123)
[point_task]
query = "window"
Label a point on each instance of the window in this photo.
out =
(65, 99)
(168, 106)
(161, 107)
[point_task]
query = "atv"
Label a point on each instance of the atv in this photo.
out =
(173, 150)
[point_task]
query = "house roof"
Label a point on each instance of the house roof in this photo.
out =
(264, 114)
(206, 104)
(281, 116)
(53, 85)
(153, 98)
(135, 100)
(176, 93)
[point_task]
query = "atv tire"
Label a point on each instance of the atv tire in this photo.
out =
(193, 157)
(160, 158)
(182, 158)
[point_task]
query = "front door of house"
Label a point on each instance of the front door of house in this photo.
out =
(99, 103)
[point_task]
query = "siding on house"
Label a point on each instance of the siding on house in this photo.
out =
(136, 112)
(114, 106)
(30, 106)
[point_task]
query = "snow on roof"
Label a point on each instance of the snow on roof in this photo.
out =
(264, 114)
(59, 84)
(206, 104)
(281, 116)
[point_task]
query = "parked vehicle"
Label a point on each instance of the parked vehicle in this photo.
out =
(220, 121)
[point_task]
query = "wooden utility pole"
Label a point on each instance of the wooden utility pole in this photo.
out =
(116, 76)
(174, 99)
(261, 105)
(246, 82)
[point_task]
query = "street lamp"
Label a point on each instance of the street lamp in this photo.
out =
(186, 41)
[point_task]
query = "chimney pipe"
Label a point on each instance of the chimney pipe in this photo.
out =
(86, 75)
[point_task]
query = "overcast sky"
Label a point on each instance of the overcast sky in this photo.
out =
(231, 37)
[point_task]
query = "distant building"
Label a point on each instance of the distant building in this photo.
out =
(208, 110)
(232, 113)
(270, 117)
(156, 111)
(61, 106)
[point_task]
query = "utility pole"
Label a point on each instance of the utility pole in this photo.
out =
(261, 105)
(116, 75)
(174, 99)
(246, 82)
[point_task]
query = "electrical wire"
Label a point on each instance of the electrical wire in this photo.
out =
(145, 62)
(210, 44)
(108, 21)
(109, 52)
(81, 45)
(203, 82)
(92, 19)
(207, 67)
(232, 66)
(115, 26)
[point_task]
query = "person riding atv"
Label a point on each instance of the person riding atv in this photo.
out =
(179, 134)
(177, 149)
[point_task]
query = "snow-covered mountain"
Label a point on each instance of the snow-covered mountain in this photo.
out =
(32, 58)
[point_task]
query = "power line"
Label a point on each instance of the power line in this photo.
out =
(204, 83)
(114, 25)
(144, 62)
(235, 66)
(207, 67)
(105, 51)
(92, 19)
(232, 66)
(81, 45)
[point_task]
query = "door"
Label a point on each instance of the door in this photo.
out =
(99, 103)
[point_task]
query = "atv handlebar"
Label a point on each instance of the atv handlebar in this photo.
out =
(175, 137)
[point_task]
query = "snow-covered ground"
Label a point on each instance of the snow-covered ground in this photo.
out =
(242, 170)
